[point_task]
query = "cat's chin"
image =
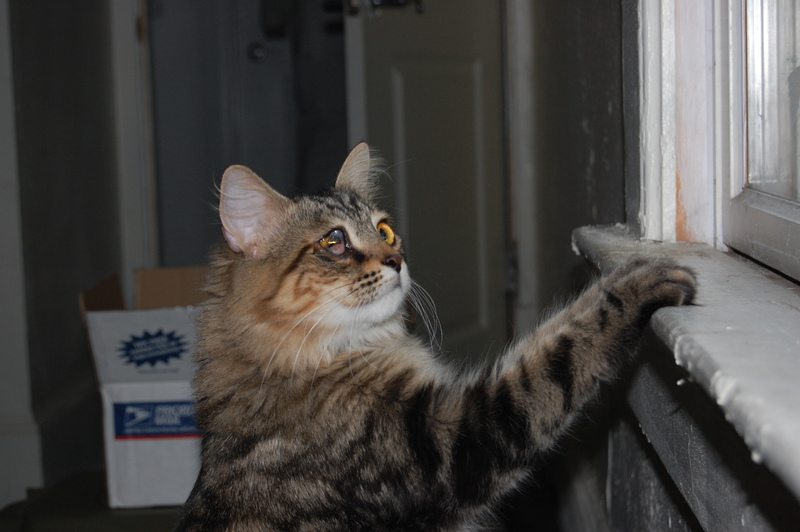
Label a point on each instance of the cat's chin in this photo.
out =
(385, 307)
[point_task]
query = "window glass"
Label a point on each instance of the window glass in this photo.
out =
(773, 97)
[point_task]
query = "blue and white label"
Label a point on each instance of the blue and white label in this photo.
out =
(151, 348)
(154, 420)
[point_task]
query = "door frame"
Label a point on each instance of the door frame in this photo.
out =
(135, 146)
(520, 136)
(355, 77)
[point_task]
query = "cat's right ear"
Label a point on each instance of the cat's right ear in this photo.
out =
(359, 172)
(249, 210)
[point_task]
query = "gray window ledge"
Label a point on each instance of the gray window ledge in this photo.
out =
(740, 343)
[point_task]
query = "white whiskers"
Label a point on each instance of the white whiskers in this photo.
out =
(422, 301)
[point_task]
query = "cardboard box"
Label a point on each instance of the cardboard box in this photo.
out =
(144, 364)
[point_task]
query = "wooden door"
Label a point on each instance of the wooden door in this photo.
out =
(425, 89)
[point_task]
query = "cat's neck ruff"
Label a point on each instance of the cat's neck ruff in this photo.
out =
(314, 345)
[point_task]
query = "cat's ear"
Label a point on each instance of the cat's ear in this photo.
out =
(359, 172)
(249, 210)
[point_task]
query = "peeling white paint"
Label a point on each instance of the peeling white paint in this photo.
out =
(723, 388)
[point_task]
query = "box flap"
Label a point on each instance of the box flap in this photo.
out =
(170, 287)
(105, 295)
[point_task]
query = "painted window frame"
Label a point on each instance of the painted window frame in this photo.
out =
(760, 225)
(693, 136)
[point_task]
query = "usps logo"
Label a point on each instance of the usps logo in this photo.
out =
(151, 348)
(136, 415)
(174, 419)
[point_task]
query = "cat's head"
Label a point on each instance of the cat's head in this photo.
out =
(328, 263)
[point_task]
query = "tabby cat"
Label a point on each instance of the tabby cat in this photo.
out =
(320, 411)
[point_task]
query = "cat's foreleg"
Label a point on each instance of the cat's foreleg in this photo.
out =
(554, 371)
(505, 416)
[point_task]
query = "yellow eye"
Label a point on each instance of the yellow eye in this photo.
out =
(386, 232)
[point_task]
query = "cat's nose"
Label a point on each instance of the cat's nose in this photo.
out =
(393, 261)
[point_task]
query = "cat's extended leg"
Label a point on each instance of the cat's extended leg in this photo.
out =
(522, 406)
(554, 371)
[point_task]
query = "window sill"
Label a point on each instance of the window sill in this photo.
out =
(740, 343)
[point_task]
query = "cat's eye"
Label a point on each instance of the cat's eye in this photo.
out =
(386, 232)
(335, 242)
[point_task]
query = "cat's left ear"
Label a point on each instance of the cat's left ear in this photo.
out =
(250, 211)
(358, 173)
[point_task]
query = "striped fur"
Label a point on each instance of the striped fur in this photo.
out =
(320, 412)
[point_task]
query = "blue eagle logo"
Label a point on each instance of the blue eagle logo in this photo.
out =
(151, 348)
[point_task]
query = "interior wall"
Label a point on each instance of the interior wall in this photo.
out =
(20, 449)
(577, 143)
(69, 211)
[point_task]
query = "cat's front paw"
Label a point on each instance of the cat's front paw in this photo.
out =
(645, 284)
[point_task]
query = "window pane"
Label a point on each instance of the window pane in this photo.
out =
(773, 96)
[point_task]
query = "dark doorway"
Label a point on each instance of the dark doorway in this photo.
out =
(253, 82)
